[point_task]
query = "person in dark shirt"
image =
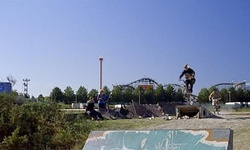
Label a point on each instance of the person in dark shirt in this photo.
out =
(90, 109)
(190, 77)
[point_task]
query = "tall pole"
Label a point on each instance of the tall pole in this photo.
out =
(100, 59)
(229, 96)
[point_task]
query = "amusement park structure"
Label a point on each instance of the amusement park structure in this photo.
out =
(236, 85)
(147, 82)
(144, 83)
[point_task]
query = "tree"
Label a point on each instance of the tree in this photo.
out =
(170, 93)
(203, 95)
(139, 93)
(93, 93)
(7, 103)
(149, 96)
(56, 95)
(127, 95)
(39, 125)
(247, 94)
(116, 94)
(224, 95)
(240, 96)
(179, 95)
(69, 96)
(82, 94)
(160, 94)
(40, 98)
(232, 94)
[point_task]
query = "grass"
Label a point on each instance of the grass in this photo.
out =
(129, 124)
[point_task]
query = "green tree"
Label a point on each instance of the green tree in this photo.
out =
(160, 94)
(139, 94)
(247, 98)
(149, 96)
(116, 95)
(38, 125)
(203, 95)
(232, 94)
(56, 95)
(240, 95)
(82, 94)
(93, 93)
(40, 97)
(106, 90)
(170, 92)
(179, 95)
(7, 103)
(127, 95)
(69, 96)
(224, 95)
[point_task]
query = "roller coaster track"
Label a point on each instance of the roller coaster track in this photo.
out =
(146, 81)
(142, 81)
(149, 81)
(234, 85)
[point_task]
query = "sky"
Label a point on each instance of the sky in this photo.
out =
(58, 43)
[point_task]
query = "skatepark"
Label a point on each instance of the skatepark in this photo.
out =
(166, 137)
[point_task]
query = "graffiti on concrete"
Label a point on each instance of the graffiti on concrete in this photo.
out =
(214, 139)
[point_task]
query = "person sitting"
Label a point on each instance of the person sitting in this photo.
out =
(123, 110)
(90, 110)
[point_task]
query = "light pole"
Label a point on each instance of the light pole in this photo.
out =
(139, 97)
(25, 84)
(229, 96)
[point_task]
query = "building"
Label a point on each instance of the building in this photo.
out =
(5, 87)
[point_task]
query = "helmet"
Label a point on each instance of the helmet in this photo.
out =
(186, 66)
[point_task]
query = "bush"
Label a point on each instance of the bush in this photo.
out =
(39, 125)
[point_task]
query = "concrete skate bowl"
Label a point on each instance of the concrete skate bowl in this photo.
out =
(181, 139)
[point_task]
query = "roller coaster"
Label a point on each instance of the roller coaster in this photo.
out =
(142, 81)
(150, 82)
(236, 85)
(146, 82)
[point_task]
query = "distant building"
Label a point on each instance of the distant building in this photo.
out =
(5, 87)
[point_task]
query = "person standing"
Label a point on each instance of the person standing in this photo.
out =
(102, 100)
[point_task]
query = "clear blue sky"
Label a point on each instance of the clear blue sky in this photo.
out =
(57, 43)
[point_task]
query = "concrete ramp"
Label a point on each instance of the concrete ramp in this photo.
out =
(207, 139)
(193, 111)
